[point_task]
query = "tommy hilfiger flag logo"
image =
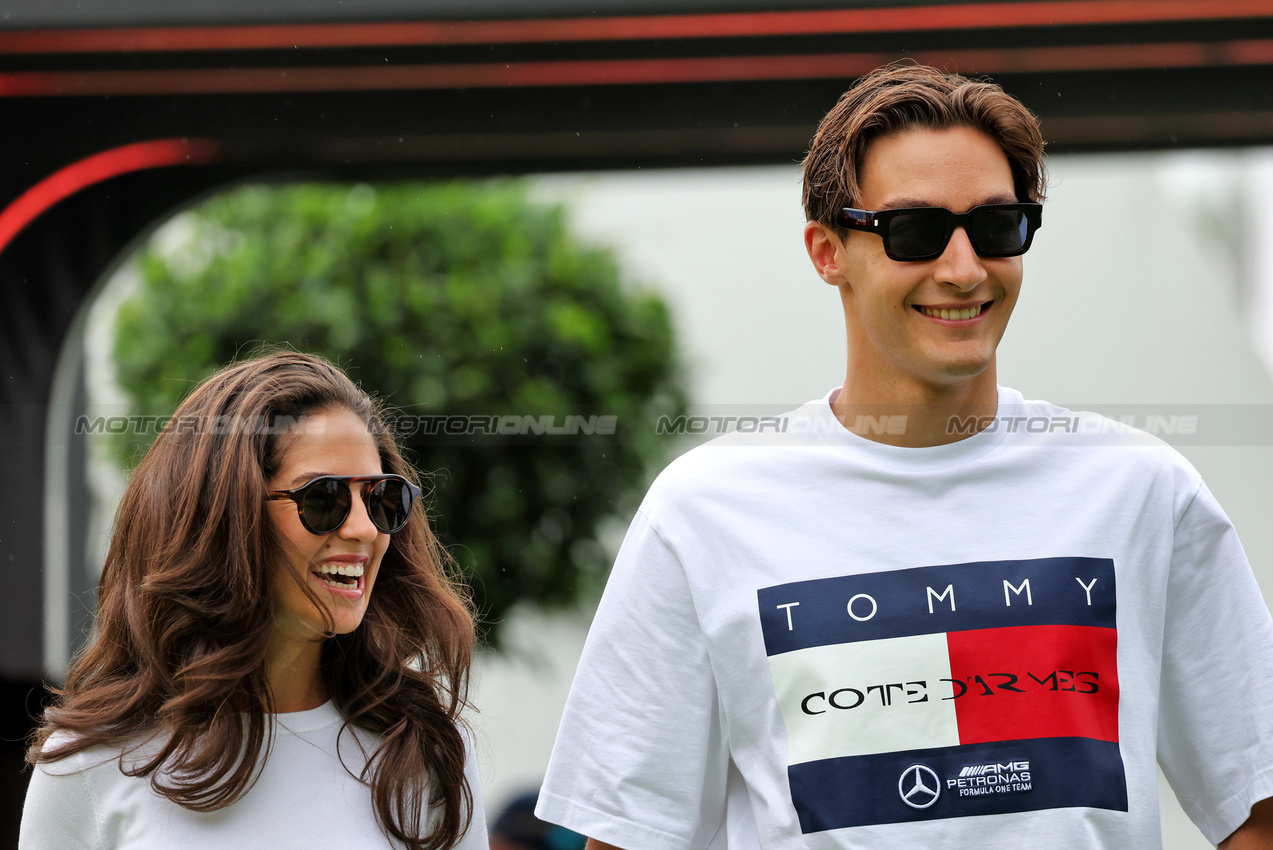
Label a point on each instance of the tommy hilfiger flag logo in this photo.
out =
(948, 691)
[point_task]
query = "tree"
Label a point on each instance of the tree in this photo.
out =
(464, 305)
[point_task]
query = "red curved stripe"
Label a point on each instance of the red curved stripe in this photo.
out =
(628, 28)
(94, 169)
(196, 81)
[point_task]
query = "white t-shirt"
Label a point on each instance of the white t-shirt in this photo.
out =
(980, 644)
(304, 798)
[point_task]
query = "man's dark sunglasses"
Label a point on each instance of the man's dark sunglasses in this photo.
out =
(325, 502)
(922, 233)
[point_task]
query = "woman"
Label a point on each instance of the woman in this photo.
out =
(280, 657)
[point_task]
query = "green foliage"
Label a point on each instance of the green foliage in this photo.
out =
(452, 298)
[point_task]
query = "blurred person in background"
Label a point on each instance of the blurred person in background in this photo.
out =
(922, 611)
(281, 655)
(517, 828)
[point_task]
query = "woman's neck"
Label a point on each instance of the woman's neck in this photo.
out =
(294, 672)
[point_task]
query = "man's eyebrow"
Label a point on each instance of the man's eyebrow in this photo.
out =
(907, 203)
(903, 203)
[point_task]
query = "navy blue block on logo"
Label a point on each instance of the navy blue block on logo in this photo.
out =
(987, 779)
(945, 598)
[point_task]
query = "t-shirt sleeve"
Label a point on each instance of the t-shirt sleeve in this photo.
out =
(1215, 727)
(59, 812)
(640, 760)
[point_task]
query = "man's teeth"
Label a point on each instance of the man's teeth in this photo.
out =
(966, 313)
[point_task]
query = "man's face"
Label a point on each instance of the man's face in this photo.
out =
(892, 309)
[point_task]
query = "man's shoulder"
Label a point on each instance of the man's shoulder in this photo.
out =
(756, 446)
(1112, 438)
(1036, 417)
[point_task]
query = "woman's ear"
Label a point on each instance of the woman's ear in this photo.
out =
(824, 251)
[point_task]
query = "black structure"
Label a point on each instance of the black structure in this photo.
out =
(115, 115)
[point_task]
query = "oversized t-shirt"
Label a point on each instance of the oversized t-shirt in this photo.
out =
(814, 640)
(304, 797)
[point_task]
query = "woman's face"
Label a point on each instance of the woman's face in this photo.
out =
(330, 442)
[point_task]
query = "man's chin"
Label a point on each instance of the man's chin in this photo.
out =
(953, 371)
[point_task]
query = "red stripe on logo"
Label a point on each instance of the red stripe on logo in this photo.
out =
(1035, 682)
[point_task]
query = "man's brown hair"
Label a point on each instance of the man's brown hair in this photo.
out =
(900, 97)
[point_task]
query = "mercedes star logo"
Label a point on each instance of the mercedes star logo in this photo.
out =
(919, 786)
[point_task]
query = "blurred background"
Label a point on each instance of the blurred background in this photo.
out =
(502, 213)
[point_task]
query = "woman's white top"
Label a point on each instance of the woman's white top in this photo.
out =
(304, 797)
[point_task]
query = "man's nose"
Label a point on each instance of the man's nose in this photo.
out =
(959, 265)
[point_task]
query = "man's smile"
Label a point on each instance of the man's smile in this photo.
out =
(955, 313)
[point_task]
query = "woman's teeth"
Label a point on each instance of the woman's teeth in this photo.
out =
(965, 313)
(349, 571)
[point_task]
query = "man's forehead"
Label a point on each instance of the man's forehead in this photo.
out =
(926, 167)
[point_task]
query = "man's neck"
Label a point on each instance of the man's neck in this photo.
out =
(914, 414)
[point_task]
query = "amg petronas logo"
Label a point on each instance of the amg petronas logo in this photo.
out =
(995, 768)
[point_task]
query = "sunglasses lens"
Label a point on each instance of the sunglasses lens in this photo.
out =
(1000, 231)
(325, 504)
(918, 234)
(390, 505)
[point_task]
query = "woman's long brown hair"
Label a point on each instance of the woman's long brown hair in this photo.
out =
(184, 618)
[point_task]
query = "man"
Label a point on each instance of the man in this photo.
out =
(922, 611)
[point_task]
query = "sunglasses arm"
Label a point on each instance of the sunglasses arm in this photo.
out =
(857, 220)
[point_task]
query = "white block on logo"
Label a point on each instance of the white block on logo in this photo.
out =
(875, 696)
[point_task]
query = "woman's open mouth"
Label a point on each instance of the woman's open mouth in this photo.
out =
(344, 578)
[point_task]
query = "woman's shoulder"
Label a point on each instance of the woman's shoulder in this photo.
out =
(70, 789)
(64, 752)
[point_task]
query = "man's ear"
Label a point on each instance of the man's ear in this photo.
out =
(823, 248)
